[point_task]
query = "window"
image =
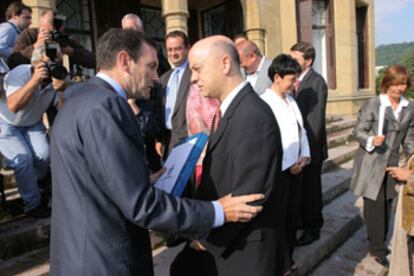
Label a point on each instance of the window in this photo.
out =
(362, 41)
(153, 22)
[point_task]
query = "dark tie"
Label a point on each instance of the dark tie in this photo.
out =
(216, 120)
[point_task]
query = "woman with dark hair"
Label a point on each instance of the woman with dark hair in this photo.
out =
(283, 73)
(384, 124)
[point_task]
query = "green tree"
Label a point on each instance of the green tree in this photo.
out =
(407, 59)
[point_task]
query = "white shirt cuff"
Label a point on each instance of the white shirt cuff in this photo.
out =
(218, 214)
(369, 146)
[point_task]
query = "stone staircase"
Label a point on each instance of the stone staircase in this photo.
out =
(24, 242)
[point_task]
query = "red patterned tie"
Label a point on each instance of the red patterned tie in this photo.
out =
(216, 120)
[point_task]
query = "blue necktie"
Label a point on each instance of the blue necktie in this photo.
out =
(172, 91)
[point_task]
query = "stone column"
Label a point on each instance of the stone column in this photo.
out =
(253, 26)
(176, 14)
(38, 6)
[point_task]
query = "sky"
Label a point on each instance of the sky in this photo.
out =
(394, 21)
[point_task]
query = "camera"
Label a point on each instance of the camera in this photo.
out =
(53, 65)
(56, 35)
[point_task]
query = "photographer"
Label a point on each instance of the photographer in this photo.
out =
(50, 29)
(29, 91)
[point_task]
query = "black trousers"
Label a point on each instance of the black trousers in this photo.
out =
(376, 214)
(293, 183)
(311, 198)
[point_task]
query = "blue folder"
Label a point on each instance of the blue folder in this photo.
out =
(190, 163)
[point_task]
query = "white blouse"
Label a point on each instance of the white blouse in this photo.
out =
(294, 139)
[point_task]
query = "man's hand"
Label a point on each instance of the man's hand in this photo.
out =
(236, 209)
(155, 176)
(42, 37)
(159, 148)
(401, 174)
(378, 141)
(196, 245)
(40, 73)
(295, 169)
(303, 162)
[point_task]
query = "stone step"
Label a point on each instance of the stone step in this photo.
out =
(333, 118)
(34, 263)
(346, 123)
(351, 258)
(339, 155)
(342, 218)
(23, 235)
(340, 138)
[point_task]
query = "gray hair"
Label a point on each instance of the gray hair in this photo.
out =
(133, 16)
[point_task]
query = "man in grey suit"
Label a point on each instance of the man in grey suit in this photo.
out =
(103, 201)
(311, 93)
(175, 85)
(255, 66)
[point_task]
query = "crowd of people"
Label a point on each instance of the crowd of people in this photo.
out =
(256, 183)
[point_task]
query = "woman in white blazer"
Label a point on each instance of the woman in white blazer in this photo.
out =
(283, 72)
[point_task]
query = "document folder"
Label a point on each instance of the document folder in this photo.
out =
(180, 164)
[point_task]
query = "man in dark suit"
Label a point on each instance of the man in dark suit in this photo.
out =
(175, 85)
(102, 197)
(243, 156)
(311, 93)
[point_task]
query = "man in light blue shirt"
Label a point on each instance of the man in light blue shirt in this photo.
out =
(19, 17)
(175, 87)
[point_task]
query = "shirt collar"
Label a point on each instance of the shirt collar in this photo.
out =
(303, 74)
(116, 86)
(183, 65)
(15, 26)
(385, 101)
(227, 101)
(258, 68)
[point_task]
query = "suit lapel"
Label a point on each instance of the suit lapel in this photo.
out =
(306, 79)
(182, 90)
(224, 122)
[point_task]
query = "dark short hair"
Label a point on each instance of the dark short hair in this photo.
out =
(394, 75)
(181, 34)
(116, 40)
(305, 48)
(16, 8)
(283, 65)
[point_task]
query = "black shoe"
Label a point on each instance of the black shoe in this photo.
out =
(382, 261)
(39, 212)
(308, 237)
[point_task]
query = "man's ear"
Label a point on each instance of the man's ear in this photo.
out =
(308, 62)
(226, 65)
(122, 60)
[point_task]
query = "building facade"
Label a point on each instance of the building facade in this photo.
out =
(342, 31)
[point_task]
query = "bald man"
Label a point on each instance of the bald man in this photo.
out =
(243, 157)
(255, 65)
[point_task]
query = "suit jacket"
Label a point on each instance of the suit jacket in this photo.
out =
(369, 167)
(102, 199)
(311, 99)
(243, 157)
(263, 81)
(179, 123)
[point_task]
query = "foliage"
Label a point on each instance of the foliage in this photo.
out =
(392, 53)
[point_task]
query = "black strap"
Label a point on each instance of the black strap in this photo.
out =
(14, 27)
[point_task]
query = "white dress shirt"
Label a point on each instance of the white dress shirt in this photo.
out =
(294, 141)
(230, 97)
(252, 78)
